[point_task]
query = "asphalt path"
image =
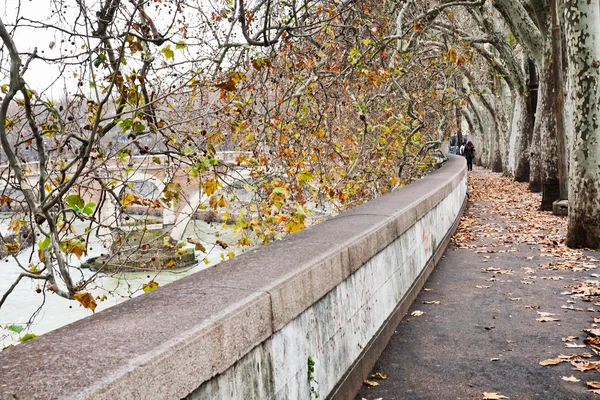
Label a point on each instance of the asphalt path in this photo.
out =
(487, 335)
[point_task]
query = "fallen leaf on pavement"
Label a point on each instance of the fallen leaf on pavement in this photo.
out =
(593, 384)
(551, 361)
(417, 313)
(571, 378)
(371, 383)
(594, 332)
(431, 302)
(584, 366)
(569, 338)
(379, 375)
(574, 345)
(547, 319)
(493, 396)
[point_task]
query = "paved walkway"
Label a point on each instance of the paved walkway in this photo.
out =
(486, 327)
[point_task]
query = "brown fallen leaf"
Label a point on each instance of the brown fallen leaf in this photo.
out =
(547, 319)
(427, 289)
(584, 366)
(593, 384)
(370, 383)
(545, 314)
(533, 307)
(493, 396)
(569, 338)
(594, 332)
(571, 378)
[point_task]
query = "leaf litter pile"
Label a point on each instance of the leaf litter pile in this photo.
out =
(511, 200)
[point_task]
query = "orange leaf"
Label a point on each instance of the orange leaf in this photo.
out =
(86, 300)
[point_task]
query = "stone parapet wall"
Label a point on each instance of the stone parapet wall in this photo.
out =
(246, 328)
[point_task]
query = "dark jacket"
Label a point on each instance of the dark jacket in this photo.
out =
(469, 151)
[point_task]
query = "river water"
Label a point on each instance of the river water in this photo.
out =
(57, 311)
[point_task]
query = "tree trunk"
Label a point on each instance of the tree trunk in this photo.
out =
(583, 46)
(522, 169)
(546, 125)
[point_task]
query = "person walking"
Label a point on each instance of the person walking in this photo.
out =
(469, 155)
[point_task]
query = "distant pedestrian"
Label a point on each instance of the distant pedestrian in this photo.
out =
(462, 150)
(469, 155)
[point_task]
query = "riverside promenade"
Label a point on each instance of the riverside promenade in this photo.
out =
(509, 312)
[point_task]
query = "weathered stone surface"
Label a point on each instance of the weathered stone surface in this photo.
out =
(250, 323)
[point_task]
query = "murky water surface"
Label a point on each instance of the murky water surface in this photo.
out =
(24, 302)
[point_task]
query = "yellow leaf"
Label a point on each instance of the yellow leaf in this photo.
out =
(244, 242)
(12, 247)
(16, 225)
(210, 187)
(200, 247)
(293, 226)
(551, 361)
(431, 302)
(452, 55)
(128, 199)
(371, 383)
(571, 378)
(86, 300)
(150, 286)
(231, 254)
(493, 396)
(170, 264)
(379, 375)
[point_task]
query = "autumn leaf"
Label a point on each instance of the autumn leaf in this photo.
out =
(570, 378)
(379, 375)
(51, 45)
(150, 286)
(551, 361)
(431, 302)
(12, 247)
(16, 225)
(593, 384)
(452, 55)
(170, 264)
(371, 383)
(547, 319)
(493, 396)
(417, 313)
(86, 300)
(167, 52)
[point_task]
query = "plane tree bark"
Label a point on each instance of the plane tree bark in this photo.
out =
(583, 48)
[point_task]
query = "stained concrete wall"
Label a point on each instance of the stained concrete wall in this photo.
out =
(246, 328)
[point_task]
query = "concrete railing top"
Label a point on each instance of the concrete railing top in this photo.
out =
(164, 344)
